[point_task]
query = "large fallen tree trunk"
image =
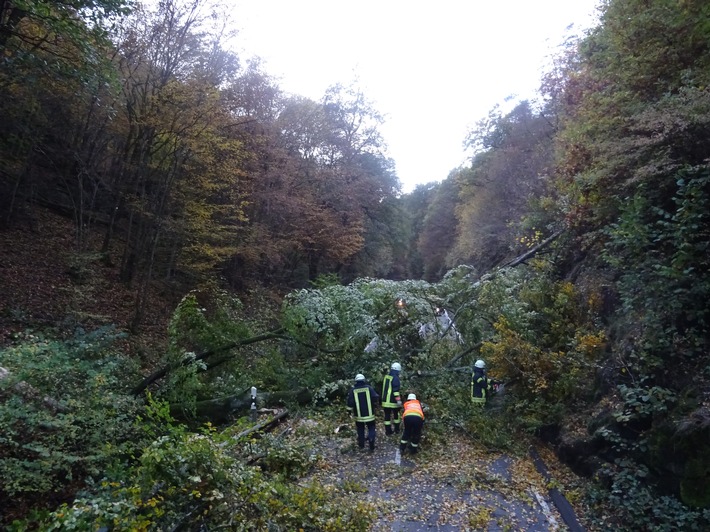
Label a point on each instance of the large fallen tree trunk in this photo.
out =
(221, 410)
(214, 362)
(162, 372)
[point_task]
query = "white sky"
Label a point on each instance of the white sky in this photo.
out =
(432, 68)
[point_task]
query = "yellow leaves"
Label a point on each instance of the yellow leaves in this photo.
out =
(567, 289)
(532, 239)
(544, 370)
(594, 302)
(589, 344)
(510, 354)
(502, 324)
(479, 518)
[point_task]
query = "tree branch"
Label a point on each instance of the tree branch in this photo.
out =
(463, 354)
(162, 372)
(220, 410)
(439, 372)
(532, 251)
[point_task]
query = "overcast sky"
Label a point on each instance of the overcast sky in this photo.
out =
(432, 68)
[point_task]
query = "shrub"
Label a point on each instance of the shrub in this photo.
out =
(633, 503)
(196, 481)
(65, 416)
(545, 341)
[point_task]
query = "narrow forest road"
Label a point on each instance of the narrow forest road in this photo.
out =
(450, 485)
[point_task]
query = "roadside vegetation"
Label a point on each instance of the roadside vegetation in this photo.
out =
(76, 430)
(175, 230)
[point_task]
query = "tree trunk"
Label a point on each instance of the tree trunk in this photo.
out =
(162, 372)
(225, 408)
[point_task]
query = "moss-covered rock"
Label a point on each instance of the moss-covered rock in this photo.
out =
(680, 455)
(696, 480)
(692, 439)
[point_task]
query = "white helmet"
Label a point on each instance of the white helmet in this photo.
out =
(411, 397)
(359, 377)
(396, 366)
(480, 364)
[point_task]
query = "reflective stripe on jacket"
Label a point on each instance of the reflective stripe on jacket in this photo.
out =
(362, 399)
(390, 390)
(413, 408)
(480, 386)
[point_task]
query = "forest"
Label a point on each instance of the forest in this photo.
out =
(175, 229)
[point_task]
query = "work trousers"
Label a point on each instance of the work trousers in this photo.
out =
(360, 426)
(412, 433)
(393, 414)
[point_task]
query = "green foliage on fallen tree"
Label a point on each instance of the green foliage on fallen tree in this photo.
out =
(362, 327)
(204, 320)
(545, 340)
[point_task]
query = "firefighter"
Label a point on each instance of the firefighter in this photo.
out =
(391, 399)
(481, 386)
(362, 400)
(413, 419)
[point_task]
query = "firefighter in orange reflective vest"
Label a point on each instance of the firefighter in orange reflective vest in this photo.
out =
(362, 400)
(413, 419)
(391, 400)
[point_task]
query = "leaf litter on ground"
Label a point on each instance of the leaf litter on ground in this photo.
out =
(455, 484)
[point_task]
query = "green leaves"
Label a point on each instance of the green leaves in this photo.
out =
(205, 320)
(640, 403)
(62, 402)
(190, 480)
(662, 255)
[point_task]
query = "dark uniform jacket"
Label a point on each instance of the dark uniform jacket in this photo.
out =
(480, 386)
(363, 399)
(390, 390)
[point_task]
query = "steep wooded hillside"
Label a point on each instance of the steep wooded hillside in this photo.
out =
(46, 283)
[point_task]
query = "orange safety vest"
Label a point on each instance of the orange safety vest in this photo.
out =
(413, 408)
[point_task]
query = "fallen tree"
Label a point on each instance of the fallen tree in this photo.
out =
(533, 250)
(205, 355)
(222, 409)
(210, 362)
(267, 424)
